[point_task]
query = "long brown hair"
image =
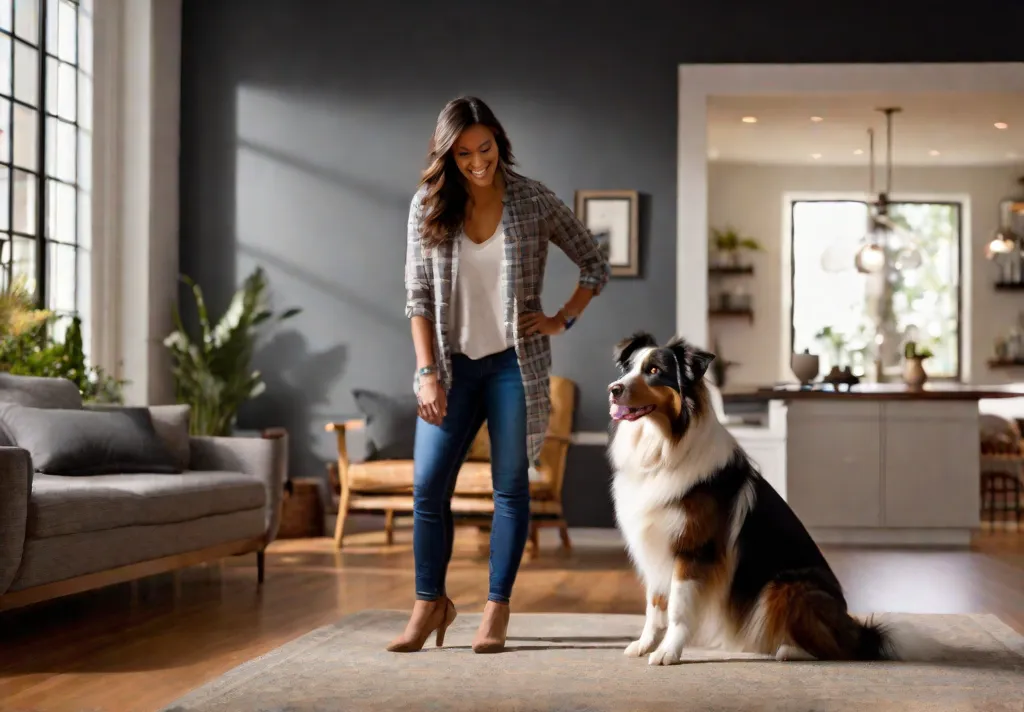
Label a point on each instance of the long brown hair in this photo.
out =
(444, 203)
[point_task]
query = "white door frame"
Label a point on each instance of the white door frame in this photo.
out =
(699, 81)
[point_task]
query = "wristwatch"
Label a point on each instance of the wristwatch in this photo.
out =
(567, 321)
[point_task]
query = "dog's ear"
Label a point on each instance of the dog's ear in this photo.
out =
(700, 361)
(694, 361)
(625, 349)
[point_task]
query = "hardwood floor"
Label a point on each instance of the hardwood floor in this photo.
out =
(141, 646)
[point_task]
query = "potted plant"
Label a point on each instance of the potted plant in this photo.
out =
(914, 374)
(214, 374)
(28, 347)
(728, 244)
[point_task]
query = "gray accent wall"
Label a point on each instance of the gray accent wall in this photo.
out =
(305, 124)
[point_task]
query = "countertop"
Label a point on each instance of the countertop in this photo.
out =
(939, 391)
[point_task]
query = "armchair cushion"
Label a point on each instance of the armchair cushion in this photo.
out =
(88, 442)
(390, 424)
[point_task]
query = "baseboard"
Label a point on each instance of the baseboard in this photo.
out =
(892, 536)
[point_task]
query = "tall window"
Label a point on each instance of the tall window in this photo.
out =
(835, 314)
(45, 156)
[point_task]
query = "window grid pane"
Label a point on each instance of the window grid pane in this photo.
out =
(831, 312)
(45, 150)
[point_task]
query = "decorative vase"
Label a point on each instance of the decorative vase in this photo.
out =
(914, 374)
(805, 366)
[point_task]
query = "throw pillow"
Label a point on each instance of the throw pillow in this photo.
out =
(390, 424)
(88, 442)
(171, 425)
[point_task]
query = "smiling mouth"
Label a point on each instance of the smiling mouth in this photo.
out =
(624, 412)
(480, 173)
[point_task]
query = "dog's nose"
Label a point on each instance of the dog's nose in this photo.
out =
(616, 389)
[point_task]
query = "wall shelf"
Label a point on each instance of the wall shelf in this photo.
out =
(730, 270)
(1010, 286)
(995, 363)
(732, 313)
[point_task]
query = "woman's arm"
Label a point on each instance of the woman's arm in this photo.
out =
(419, 294)
(574, 239)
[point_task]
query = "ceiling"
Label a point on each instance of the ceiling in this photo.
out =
(932, 129)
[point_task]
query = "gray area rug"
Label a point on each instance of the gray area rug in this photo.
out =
(574, 663)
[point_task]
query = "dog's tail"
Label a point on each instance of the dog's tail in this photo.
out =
(894, 641)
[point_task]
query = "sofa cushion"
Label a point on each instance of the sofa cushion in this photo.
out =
(73, 505)
(36, 392)
(88, 442)
(39, 392)
(170, 423)
(390, 424)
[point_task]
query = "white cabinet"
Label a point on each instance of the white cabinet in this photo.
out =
(834, 457)
(878, 472)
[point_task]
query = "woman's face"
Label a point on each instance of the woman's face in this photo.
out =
(476, 155)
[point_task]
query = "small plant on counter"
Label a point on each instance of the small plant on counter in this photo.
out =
(912, 351)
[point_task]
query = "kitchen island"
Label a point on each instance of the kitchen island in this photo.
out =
(880, 464)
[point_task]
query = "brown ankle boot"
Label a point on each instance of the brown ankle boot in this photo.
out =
(490, 636)
(427, 616)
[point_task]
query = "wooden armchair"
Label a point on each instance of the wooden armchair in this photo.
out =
(386, 485)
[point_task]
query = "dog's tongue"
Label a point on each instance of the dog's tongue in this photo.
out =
(618, 412)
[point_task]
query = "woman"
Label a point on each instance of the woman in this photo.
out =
(478, 237)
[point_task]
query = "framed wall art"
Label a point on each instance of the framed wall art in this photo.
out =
(613, 218)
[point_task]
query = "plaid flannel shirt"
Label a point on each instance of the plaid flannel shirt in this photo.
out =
(532, 217)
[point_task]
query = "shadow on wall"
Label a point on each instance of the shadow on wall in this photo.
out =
(298, 382)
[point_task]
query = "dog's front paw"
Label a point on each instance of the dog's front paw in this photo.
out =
(665, 656)
(670, 651)
(639, 648)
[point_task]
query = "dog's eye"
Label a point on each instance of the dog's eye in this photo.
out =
(653, 370)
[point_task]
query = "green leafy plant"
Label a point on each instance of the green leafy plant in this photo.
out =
(27, 347)
(730, 240)
(911, 350)
(213, 374)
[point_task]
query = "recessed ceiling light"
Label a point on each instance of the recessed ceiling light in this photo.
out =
(1001, 125)
(816, 119)
(933, 152)
(858, 152)
(815, 156)
(749, 119)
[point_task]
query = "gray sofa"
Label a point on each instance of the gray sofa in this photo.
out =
(62, 534)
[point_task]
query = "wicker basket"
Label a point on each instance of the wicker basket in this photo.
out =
(302, 513)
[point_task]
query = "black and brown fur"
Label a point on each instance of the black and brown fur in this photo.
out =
(704, 526)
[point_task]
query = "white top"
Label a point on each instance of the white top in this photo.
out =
(478, 309)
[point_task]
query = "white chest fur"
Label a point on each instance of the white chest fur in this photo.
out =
(651, 476)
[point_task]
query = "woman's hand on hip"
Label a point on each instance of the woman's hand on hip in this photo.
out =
(540, 323)
(433, 405)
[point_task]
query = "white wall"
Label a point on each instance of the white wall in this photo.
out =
(750, 198)
(135, 213)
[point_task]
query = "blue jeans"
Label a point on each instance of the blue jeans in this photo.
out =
(491, 389)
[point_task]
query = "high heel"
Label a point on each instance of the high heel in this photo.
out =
(427, 617)
(490, 636)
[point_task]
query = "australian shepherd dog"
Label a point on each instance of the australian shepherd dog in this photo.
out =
(725, 561)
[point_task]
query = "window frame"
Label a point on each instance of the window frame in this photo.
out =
(47, 114)
(957, 205)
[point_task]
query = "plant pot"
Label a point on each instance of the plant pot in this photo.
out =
(914, 374)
